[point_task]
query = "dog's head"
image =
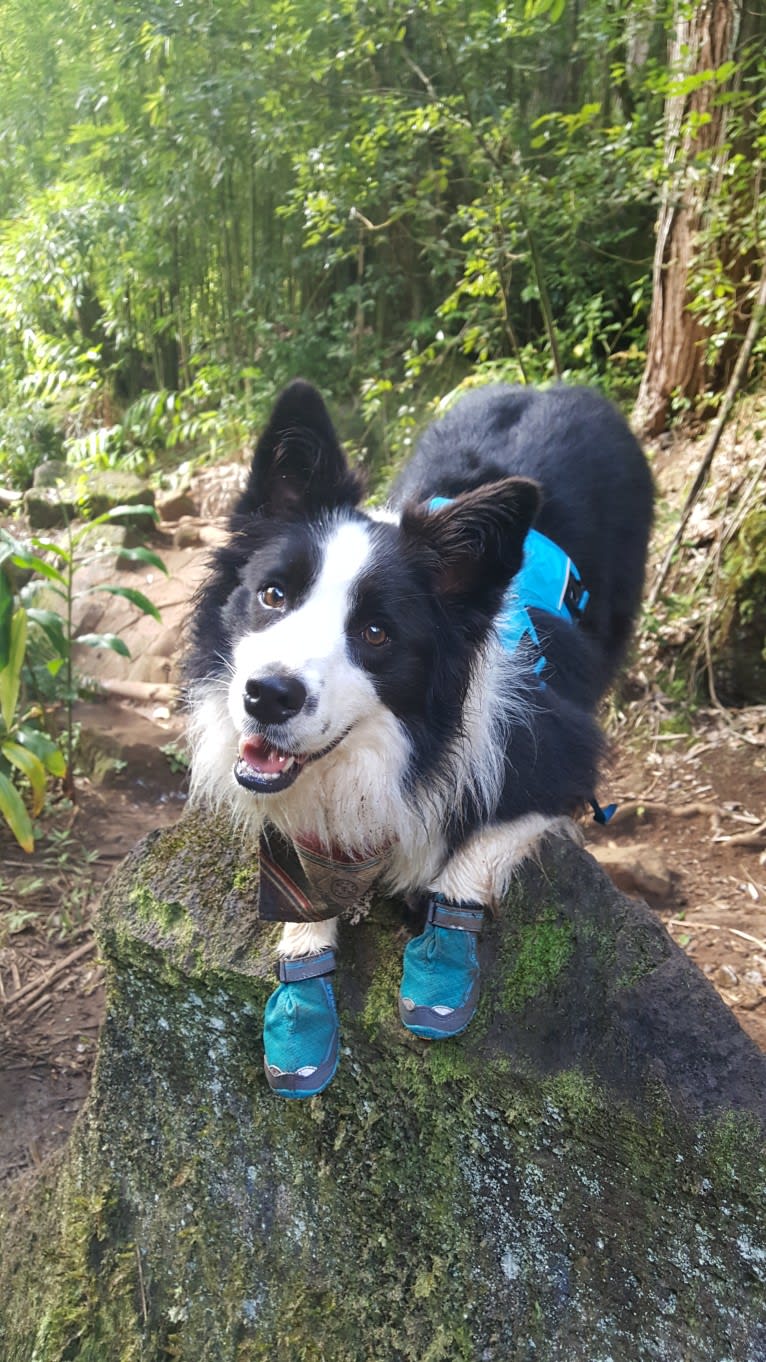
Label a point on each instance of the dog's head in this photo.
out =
(329, 626)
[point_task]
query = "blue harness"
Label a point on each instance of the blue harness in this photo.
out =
(547, 580)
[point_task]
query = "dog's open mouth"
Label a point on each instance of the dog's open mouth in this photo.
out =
(262, 767)
(265, 769)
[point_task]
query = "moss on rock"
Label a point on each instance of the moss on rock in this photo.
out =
(541, 952)
(579, 1176)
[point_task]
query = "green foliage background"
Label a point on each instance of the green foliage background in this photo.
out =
(199, 201)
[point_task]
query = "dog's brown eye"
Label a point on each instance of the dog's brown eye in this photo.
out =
(273, 597)
(375, 635)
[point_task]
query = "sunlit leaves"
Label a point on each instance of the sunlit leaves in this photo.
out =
(10, 675)
(136, 598)
(13, 810)
(203, 200)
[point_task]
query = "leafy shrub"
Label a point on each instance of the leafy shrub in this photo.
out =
(28, 437)
(50, 565)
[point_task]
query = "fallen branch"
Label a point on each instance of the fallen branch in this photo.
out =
(642, 807)
(755, 839)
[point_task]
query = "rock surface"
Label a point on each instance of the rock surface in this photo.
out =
(635, 868)
(579, 1177)
(49, 473)
(56, 499)
(174, 505)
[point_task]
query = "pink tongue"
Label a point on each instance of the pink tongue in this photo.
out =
(261, 756)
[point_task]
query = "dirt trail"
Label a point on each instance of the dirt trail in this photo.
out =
(689, 839)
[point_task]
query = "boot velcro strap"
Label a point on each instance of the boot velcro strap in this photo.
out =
(460, 917)
(291, 971)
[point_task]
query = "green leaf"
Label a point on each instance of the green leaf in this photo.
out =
(15, 814)
(18, 920)
(115, 513)
(44, 748)
(31, 563)
(10, 676)
(725, 71)
(48, 546)
(30, 766)
(6, 612)
(136, 598)
(142, 555)
(52, 626)
(534, 9)
(112, 641)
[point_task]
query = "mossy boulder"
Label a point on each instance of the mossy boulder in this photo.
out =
(57, 501)
(49, 507)
(580, 1177)
(49, 473)
(113, 488)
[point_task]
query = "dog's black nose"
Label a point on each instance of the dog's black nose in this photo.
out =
(274, 699)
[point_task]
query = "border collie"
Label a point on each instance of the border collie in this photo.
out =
(412, 690)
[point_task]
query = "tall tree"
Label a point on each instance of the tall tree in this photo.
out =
(706, 112)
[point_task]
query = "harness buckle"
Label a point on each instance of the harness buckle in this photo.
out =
(575, 596)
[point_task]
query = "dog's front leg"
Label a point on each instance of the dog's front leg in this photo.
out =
(300, 1026)
(307, 938)
(440, 982)
(482, 869)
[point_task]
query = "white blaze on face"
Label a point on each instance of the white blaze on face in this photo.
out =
(310, 643)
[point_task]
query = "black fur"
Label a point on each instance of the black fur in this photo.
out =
(596, 504)
(298, 471)
(436, 581)
(299, 467)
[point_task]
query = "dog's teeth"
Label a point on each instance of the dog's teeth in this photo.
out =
(290, 762)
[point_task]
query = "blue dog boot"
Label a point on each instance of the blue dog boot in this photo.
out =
(300, 1027)
(440, 983)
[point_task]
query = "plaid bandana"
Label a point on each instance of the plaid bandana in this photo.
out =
(306, 882)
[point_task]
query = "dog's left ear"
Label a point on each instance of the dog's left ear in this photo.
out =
(299, 467)
(476, 541)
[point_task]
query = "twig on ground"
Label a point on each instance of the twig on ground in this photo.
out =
(755, 839)
(40, 1006)
(34, 990)
(715, 927)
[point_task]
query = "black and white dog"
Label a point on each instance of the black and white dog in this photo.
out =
(388, 684)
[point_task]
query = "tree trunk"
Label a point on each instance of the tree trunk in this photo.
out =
(578, 1177)
(705, 37)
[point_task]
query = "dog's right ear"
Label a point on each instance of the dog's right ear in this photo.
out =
(299, 467)
(475, 542)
